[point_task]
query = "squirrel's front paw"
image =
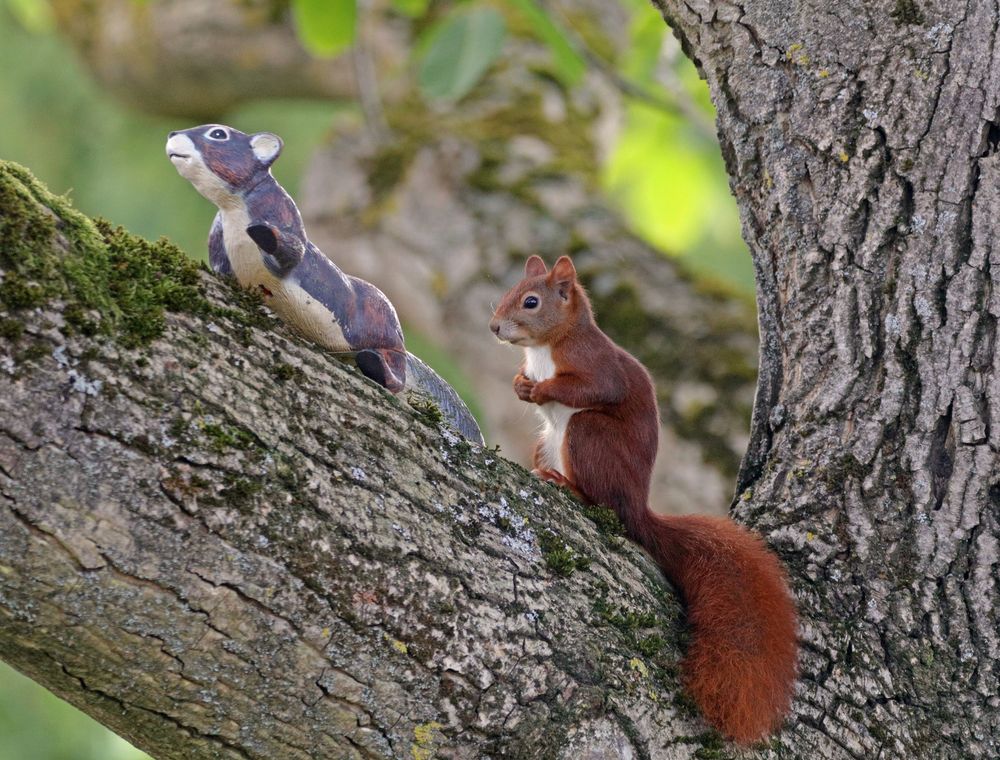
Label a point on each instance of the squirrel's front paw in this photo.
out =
(523, 387)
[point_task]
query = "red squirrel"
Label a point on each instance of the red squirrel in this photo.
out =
(599, 439)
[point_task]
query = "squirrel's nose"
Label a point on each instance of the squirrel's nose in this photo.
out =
(495, 327)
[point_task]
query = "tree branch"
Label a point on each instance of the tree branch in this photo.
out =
(224, 543)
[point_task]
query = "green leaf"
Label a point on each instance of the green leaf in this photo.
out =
(411, 8)
(569, 64)
(458, 50)
(326, 27)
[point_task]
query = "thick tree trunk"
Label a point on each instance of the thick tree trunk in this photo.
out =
(861, 140)
(225, 544)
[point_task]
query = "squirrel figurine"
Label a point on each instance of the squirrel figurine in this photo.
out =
(599, 439)
(258, 238)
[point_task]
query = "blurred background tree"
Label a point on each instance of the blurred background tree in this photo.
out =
(431, 146)
(80, 139)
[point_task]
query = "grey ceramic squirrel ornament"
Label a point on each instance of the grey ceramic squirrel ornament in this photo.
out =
(258, 238)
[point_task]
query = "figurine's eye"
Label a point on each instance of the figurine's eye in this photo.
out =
(531, 302)
(218, 134)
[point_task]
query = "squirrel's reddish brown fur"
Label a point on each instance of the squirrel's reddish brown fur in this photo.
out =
(741, 665)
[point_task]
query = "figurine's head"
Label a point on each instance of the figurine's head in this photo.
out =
(222, 162)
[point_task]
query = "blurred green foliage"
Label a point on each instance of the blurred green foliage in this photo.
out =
(37, 725)
(456, 52)
(665, 173)
(31, 15)
(326, 27)
(567, 62)
(111, 160)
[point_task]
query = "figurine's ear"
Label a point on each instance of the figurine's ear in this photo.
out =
(266, 147)
(563, 277)
(534, 267)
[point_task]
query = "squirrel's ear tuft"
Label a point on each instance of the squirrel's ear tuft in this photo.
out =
(563, 276)
(266, 147)
(534, 267)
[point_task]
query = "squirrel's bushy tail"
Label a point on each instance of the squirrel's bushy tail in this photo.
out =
(741, 665)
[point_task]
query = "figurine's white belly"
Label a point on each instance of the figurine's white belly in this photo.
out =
(285, 297)
(538, 366)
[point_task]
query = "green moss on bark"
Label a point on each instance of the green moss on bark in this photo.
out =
(110, 281)
(560, 556)
(908, 12)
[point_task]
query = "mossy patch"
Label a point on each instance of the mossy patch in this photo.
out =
(222, 437)
(385, 169)
(626, 621)
(713, 746)
(11, 329)
(641, 632)
(247, 308)
(651, 645)
(425, 409)
(240, 493)
(111, 282)
(35, 350)
(559, 556)
(284, 373)
(908, 12)
(604, 518)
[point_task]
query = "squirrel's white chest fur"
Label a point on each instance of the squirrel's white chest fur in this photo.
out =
(538, 366)
(288, 299)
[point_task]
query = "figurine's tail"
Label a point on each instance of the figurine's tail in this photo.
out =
(422, 379)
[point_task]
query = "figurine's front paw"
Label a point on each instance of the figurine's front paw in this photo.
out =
(265, 236)
(524, 387)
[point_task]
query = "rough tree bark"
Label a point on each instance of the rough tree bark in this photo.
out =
(861, 139)
(222, 543)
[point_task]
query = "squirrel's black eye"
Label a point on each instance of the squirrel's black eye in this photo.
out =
(219, 134)
(530, 302)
